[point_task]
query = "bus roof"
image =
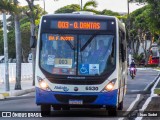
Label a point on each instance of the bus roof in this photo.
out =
(73, 15)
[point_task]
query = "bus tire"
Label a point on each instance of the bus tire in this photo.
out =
(56, 108)
(66, 108)
(45, 110)
(120, 105)
(112, 111)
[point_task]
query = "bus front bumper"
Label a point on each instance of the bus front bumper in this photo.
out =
(64, 98)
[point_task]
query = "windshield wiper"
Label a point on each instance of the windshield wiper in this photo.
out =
(86, 44)
(70, 44)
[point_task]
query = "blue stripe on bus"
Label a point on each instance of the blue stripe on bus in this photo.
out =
(103, 98)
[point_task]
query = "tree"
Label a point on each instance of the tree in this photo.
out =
(154, 15)
(25, 30)
(75, 7)
(11, 44)
(87, 6)
(12, 7)
(25, 34)
(68, 9)
(32, 12)
(18, 39)
(1, 42)
(142, 30)
(109, 12)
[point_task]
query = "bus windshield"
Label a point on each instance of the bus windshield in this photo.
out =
(77, 54)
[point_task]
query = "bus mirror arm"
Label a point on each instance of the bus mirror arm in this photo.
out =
(88, 41)
(33, 41)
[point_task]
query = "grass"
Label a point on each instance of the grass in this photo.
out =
(157, 68)
(157, 91)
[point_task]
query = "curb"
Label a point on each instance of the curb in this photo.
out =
(14, 93)
(157, 88)
(4, 95)
(1, 96)
(144, 68)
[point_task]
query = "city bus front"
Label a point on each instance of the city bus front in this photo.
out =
(76, 62)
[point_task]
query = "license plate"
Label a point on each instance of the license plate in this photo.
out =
(76, 102)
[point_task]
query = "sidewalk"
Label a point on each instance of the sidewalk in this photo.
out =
(26, 87)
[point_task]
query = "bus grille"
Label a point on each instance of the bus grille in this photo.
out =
(86, 99)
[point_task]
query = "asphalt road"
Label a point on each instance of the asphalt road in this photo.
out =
(26, 103)
(142, 80)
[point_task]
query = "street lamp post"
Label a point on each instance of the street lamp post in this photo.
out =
(159, 52)
(44, 6)
(6, 52)
(129, 27)
(81, 5)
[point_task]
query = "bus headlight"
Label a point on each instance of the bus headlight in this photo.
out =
(109, 86)
(43, 85)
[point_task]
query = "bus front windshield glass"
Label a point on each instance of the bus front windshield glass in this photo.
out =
(73, 54)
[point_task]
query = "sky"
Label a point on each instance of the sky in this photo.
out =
(114, 5)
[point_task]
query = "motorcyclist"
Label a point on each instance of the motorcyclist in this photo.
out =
(133, 65)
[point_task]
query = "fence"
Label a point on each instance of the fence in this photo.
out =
(26, 71)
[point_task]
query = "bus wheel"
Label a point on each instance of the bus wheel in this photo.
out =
(56, 107)
(66, 108)
(112, 111)
(120, 105)
(45, 110)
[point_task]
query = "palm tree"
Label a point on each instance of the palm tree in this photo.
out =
(12, 7)
(32, 13)
(75, 7)
(3, 5)
(18, 45)
(91, 3)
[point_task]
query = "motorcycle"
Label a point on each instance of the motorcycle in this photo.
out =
(132, 74)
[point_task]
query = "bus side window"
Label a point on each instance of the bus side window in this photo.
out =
(122, 46)
(122, 52)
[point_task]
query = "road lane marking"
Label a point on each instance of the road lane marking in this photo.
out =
(147, 102)
(152, 90)
(149, 99)
(134, 90)
(138, 97)
(150, 84)
(131, 106)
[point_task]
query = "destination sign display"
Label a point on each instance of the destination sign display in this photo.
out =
(61, 37)
(78, 25)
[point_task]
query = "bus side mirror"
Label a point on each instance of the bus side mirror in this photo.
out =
(33, 41)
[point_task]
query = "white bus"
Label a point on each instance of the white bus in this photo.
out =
(81, 62)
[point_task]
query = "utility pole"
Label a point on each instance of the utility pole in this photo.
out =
(7, 88)
(129, 37)
(159, 51)
(44, 6)
(81, 5)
